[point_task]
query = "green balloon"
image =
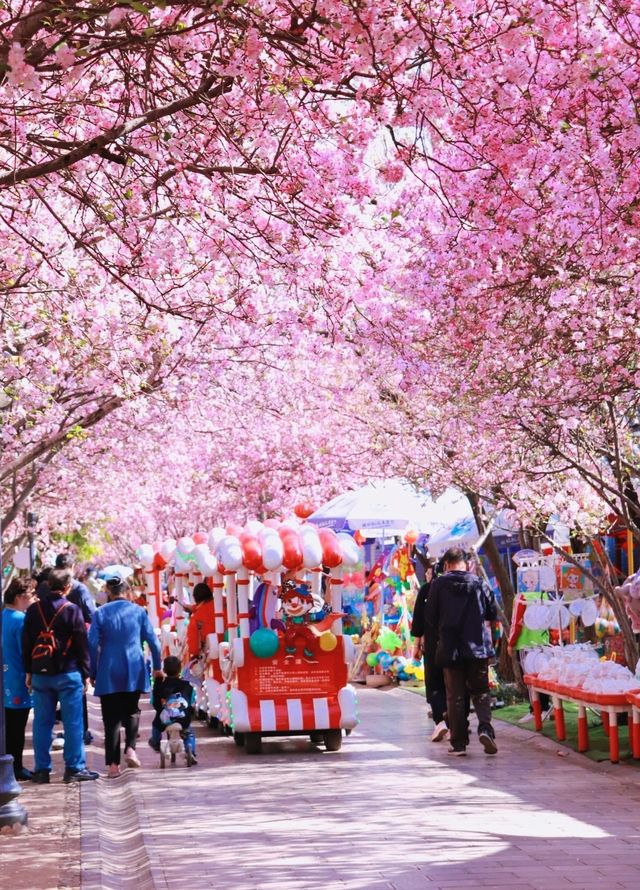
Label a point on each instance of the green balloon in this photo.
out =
(389, 641)
(372, 659)
(264, 642)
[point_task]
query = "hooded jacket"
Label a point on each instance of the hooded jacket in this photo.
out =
(459, 604)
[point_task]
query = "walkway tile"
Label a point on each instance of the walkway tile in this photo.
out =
(389, 812)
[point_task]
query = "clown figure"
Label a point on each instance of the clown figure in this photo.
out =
(297, 605)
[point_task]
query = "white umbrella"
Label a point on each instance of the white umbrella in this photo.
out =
(462, 531)
(384, 506)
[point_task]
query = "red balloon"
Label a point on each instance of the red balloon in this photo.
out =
(251, 551)
(331, 552)
(303, 510)
(411, 536)
(200, 538)
(292, 546)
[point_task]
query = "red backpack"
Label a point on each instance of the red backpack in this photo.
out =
(46, 656)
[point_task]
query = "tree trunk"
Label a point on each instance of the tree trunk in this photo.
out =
(506, 667)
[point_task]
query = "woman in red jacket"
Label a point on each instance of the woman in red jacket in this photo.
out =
(201, 622)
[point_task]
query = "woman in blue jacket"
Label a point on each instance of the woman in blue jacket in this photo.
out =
(17, 702)
(118, 630)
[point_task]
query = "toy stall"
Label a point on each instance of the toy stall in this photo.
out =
(277, 662)
(573, 651)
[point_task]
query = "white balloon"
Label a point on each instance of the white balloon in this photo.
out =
(185, 545)
(229, 553)
(199, 555)
(254, 526)
(272, 551)
(215, 536)
(168, 548)
(181, 566)
(589, 613)
(145, 554)
(311, 551)
(350, 550)
(291, 522)
(209, 565)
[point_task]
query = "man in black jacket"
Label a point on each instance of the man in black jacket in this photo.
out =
(60, 678)
(425, 646)
(460, 605)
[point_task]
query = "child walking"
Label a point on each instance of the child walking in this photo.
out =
(173, 700)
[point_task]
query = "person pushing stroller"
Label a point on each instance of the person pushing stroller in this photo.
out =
(173, 700)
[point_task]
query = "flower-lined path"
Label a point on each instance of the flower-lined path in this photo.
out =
(391, 810)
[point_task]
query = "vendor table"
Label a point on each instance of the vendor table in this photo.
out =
(609, 706)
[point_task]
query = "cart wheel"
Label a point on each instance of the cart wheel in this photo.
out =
(253, 743)
(173, 757)
(238, 738)
(163, 760)
(213, 723)
(317, 738)
(227, 730)
(348, 731)
(333, 739)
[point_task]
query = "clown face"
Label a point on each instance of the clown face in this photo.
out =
(295, 604)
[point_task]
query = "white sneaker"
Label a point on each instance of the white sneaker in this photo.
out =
(131, 758)
(527, 718)
(57, 744)
(439, 732)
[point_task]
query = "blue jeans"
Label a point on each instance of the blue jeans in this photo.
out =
(47, 692)
(188, 738)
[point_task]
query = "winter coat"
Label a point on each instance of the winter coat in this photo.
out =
(459, 605)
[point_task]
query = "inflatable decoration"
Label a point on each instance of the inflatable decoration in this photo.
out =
(264, 642)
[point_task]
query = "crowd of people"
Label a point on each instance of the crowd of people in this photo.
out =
(60, 637)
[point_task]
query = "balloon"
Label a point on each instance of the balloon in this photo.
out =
(311, 548)
(331, 551)
(372, 659)
(168, 548)
(350, 550)
(185, 545)
(291, 522)
(328, 641)
(292, 547)
(251, 551)
(411, 536)
(215, 536)
(384, 660)
(209, 565)
(264, 642)
(359, 538)
(200, 537)
(254, 526)
(389, 641)
(272, 549)
(304, 509)
(199, 555)
(229, 553)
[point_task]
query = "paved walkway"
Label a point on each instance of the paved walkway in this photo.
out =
(390, 810)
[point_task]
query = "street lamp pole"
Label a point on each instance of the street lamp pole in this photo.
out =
(32, 519)
(12, 814)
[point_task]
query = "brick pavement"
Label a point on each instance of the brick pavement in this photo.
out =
(47, 855)
(390, 810)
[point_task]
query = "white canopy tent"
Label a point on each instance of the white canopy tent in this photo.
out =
(392, 506)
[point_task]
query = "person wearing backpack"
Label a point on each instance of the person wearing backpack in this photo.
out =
(56, 663)
(460, 605)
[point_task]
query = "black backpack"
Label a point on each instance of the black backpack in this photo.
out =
(46, 657)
